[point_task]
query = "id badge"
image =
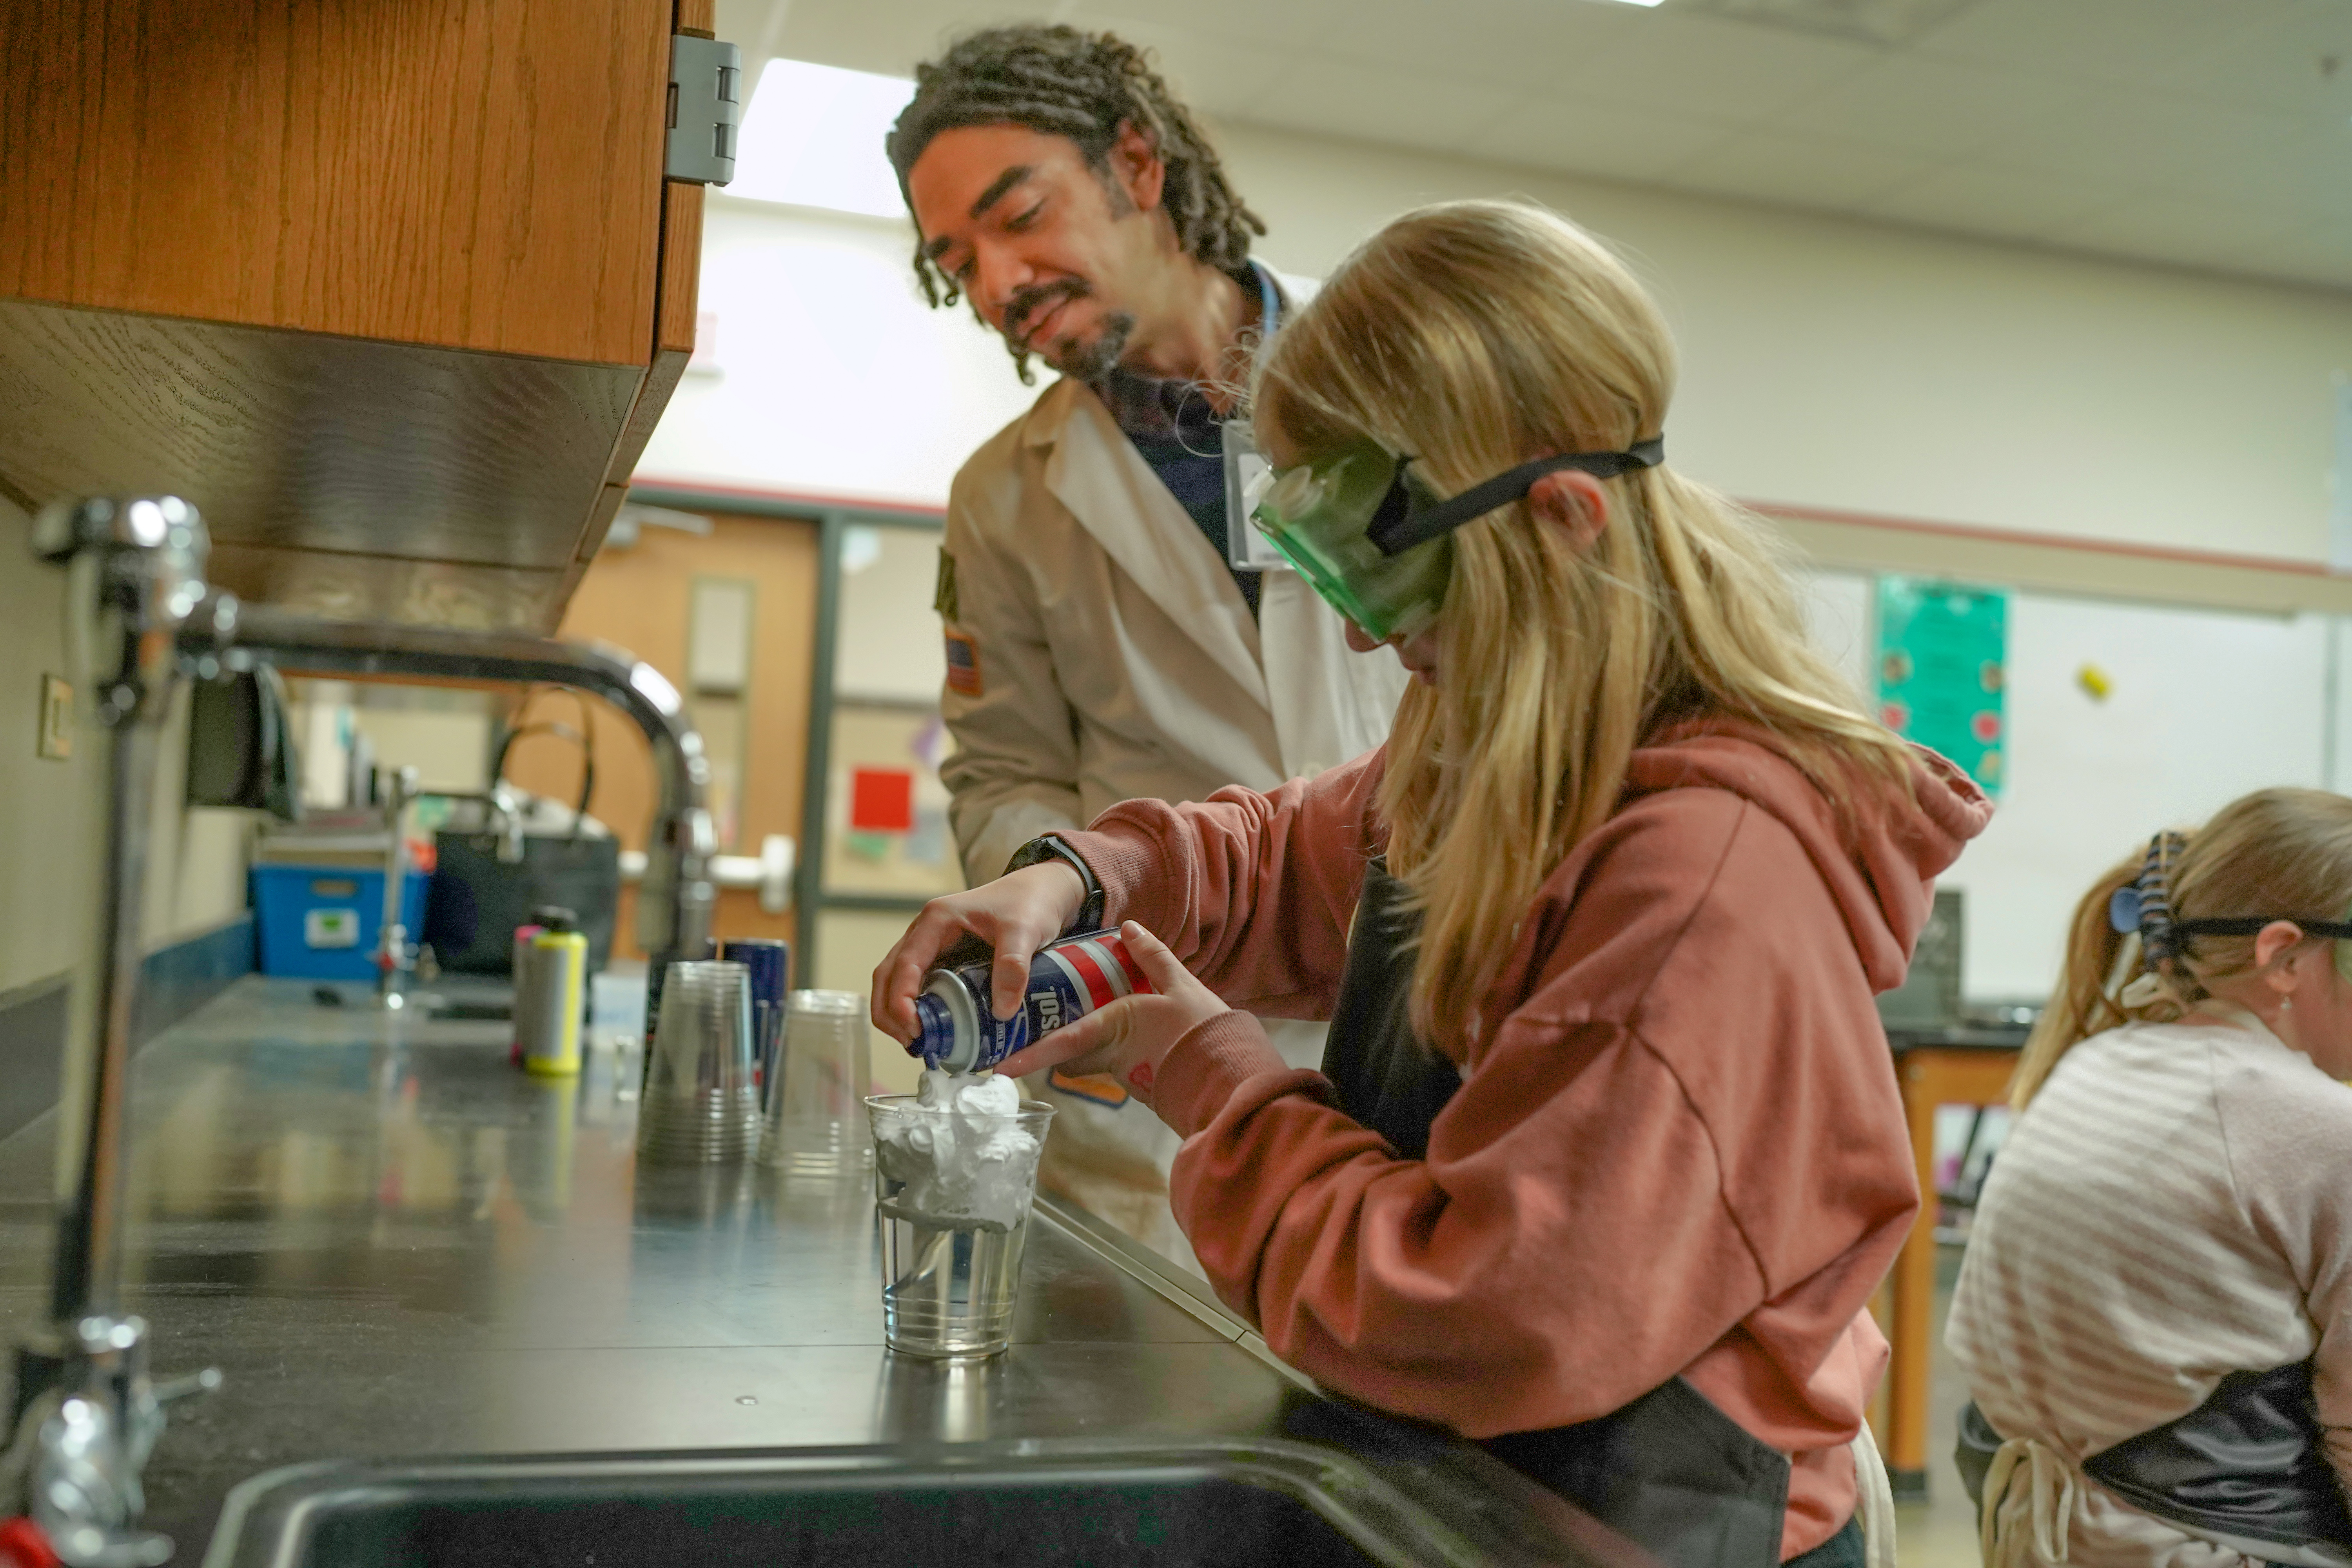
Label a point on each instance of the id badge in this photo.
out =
(1248, 476)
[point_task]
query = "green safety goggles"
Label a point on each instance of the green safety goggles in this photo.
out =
(1376, 548)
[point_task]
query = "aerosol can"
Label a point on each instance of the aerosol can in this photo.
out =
(958, 1030)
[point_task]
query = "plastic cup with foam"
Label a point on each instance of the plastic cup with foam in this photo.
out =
(955, 1170)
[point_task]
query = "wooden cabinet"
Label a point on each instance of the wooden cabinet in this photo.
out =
(392, 289)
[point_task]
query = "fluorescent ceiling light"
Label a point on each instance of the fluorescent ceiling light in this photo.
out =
(813, 136)
(1637, 2)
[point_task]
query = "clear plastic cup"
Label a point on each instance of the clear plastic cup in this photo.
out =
(951, 1249)
(812, 1126)
(700, 1105)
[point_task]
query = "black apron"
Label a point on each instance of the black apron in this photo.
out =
(2247, 1464)
(1670, 1470)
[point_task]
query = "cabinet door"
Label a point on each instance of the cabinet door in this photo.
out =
(469, 173)
(394, 291)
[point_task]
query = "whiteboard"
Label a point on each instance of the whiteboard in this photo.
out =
(2203, 706)
(1837, 616)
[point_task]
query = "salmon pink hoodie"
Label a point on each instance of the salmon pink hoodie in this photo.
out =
(1677, 1148)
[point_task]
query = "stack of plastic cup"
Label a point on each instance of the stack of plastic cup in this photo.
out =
(816, 1122)
(701, 1105)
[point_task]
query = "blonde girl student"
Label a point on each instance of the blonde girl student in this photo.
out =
(1606, 1156)
(2155, 1314)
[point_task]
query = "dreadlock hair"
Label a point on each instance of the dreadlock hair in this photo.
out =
(1058, 81)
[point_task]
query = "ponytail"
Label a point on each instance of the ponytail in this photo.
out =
(2100, 963)
(2277, 854)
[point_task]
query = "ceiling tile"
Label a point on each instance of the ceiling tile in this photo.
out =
(1909, 104)
(2119, 42)
(1721, 68)
(1276, 29)
(1543, 45)
(2277, 66)
(1585, 136)
(1806, 172)
(2141, 138)
(1380, 104)
(2018, 204)
(1206, 68)
(1892, 23)
(2308, 173)
(887, 39)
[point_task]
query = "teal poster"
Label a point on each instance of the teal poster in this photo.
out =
(1943, 655)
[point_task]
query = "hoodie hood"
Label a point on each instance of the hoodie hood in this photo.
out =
(1878, 852)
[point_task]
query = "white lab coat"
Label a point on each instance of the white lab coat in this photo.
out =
(1115, 658)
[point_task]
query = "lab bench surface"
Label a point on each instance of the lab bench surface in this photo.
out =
(393, 1243)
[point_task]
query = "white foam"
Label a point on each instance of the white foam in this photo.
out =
(967, 1163)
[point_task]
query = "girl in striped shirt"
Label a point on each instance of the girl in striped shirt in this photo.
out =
(2154, 1315)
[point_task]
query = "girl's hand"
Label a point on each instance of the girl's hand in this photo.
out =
(1130, 1037)
(1016, 914)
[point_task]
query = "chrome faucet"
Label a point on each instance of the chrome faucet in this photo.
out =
(143, 618)
(139, 619)
(674, 907)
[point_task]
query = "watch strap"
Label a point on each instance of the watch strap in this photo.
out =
(1046, 846)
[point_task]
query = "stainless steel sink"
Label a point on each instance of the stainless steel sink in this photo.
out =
(1031, 1503)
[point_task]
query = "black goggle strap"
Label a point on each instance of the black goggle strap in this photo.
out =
(1396, 527)
(2247, 925)
(2146, 907)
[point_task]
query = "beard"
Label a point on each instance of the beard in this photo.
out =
(1092, 361)
(1080, 359)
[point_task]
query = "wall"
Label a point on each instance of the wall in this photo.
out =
(1841, 364)
(1828, 363)
(51, 858)
(196, 856)
(48, 835)
(444, 734)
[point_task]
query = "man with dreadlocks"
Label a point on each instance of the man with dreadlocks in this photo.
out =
(1102, 643)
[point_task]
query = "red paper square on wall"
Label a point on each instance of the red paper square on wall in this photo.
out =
(882, 799)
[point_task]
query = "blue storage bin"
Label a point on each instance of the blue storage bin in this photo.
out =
(322, 922)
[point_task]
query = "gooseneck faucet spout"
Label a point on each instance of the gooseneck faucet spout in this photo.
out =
(674, 905)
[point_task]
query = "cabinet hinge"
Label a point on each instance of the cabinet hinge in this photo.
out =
(705, 109)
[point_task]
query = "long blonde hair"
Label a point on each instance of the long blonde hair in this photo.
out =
(1475, 336)
(2283, 852)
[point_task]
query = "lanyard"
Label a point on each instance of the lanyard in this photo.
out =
(1247, 475)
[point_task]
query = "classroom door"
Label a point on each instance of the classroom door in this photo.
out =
(729, 618)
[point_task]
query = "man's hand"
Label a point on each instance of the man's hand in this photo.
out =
(1016, 914)
(1130, 1037)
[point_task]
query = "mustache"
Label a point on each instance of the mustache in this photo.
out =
(1037, 297)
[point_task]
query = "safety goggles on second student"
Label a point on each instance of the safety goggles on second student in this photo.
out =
(1376, 547)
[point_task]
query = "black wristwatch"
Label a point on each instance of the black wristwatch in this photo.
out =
(1044, 847)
